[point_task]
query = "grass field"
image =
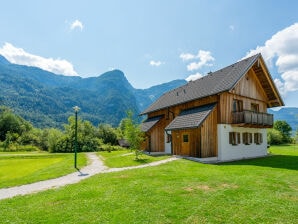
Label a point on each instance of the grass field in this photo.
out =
(261, 190)
(28, 167)
(126, 158)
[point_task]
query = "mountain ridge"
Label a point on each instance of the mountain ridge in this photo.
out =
(46, 99)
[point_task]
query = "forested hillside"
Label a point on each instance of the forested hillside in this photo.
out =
(46, 99)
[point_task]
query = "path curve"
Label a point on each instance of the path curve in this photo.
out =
(96, 166)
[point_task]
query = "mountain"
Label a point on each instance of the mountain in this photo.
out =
(145, 97)
(46, 99)
(289, 114)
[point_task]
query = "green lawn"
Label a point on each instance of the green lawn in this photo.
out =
(125, 158)
(261, 190)
(28, 167)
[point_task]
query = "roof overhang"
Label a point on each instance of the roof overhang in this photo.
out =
(149, 123)
(264, 77)
(191, 118)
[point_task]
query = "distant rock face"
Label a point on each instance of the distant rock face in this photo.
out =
(46, 99)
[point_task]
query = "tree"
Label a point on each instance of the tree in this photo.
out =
(107, 134)
(87, 139)
(285, 129)
(12, 123)
(132, 133)
(274, 137)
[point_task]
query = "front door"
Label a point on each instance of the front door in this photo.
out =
(185, 144)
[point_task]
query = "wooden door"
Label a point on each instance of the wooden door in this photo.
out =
(185, 144)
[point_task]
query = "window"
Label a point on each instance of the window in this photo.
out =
(237, 105)
(247, 138)
(255, 107)
(258, 138)
(234, 138)
(185, 138)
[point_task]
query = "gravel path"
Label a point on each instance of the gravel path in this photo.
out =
(96, 166)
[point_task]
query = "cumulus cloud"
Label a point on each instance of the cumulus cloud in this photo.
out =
(187, 56)
(281, 50)
(194, 77)
(155, 63)
(203, 58)
(19, 56)
(77, 24)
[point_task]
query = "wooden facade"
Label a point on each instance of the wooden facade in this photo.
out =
(244, 104)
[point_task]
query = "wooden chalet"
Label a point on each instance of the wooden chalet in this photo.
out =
(222, 115)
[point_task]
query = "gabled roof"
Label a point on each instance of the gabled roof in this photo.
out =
(149, 123)
(191, 118)
(214, 83)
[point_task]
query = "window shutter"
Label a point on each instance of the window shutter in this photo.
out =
(231, 138)
(250, 138)
(238, 138)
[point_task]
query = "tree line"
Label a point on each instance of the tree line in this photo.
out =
(18, 134)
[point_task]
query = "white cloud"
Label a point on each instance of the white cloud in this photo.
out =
(77, 24)
(231, 27)
(19, 56)
(194, 77)
(204, 59)
(187, 56)
(155, 63)
(281, 50)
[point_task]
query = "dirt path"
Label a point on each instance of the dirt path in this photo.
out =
(96, 166)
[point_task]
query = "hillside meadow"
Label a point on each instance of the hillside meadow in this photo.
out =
(263, 190)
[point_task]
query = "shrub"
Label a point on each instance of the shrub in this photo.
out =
(274, 137)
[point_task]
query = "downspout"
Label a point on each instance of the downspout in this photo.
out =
(149, 141)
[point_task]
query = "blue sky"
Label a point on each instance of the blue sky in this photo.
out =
(154, 41)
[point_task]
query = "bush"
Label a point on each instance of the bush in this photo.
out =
(274, 137)
(14, 147)
(109, 147)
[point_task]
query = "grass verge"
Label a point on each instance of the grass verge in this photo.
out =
(28, 167)
(125, 158)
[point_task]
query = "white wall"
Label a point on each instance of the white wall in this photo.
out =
(227, 151)
(167, 145)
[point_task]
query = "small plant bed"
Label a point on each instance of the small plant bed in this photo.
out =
(125, 158)
(18, 168)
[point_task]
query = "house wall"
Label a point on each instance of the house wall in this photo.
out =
(249, 90)
(194, 142)
(202, 140)
(228, 152)
(209, 135)
(250, 86)
(157, 133)
(155, 143)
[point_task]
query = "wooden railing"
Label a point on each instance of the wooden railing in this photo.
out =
(252, 118)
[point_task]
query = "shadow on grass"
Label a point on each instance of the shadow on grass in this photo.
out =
(142, 161)
(274, 161)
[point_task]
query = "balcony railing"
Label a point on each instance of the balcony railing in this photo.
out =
(252, 118)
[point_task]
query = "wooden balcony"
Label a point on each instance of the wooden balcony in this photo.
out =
(252, 119)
